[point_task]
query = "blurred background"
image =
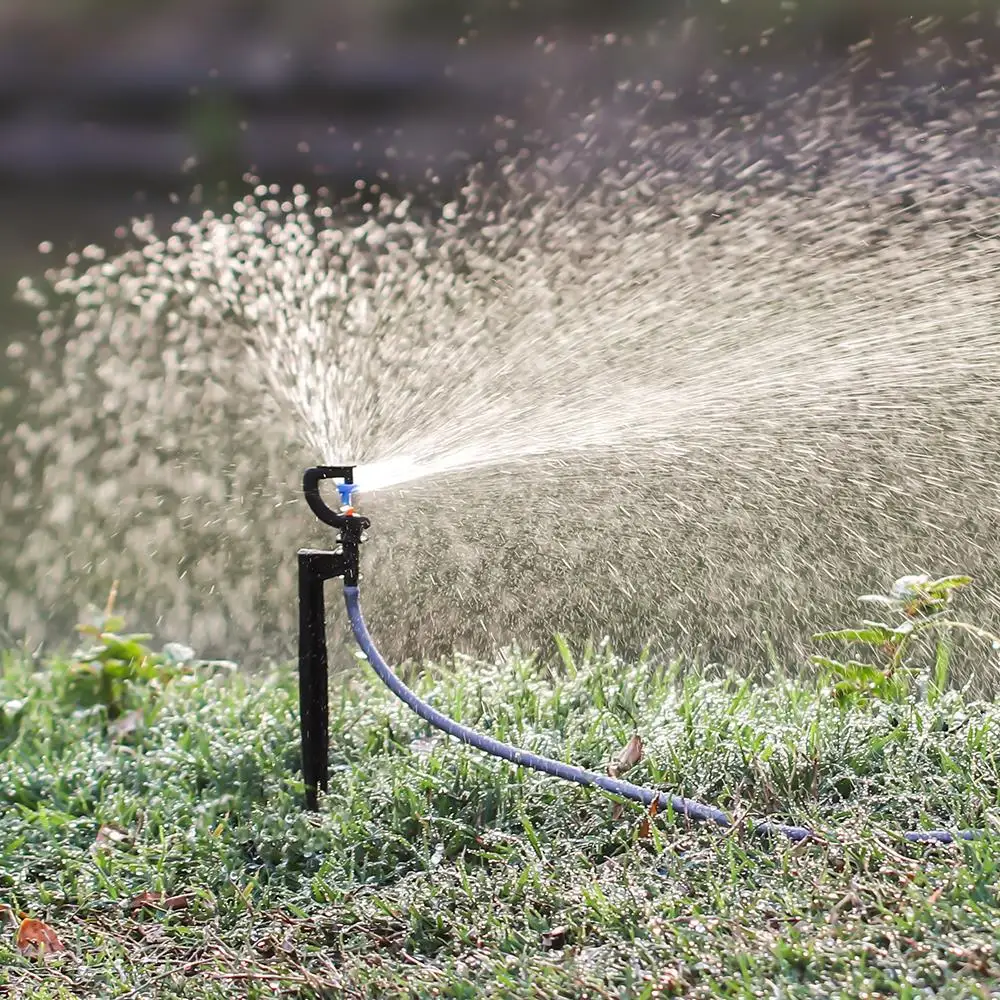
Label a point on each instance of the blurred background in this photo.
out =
(116, 108)
(111, 109)
(104, 103)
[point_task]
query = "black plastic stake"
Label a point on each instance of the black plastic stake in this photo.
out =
(315, 568)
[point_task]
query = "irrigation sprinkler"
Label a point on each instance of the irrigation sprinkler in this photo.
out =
(316, 566)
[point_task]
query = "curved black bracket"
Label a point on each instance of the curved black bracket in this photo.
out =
(310, 487)
(350, 525)
(316, 566)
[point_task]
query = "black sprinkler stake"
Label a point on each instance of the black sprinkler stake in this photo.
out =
(316, 566)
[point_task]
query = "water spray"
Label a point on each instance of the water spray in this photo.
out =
(318, 566)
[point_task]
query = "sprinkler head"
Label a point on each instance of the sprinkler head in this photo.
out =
(350, 525)
(347, 522)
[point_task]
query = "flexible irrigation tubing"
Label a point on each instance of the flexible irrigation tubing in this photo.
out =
(666, 802)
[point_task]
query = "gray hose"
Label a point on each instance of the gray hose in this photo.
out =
(524, 758)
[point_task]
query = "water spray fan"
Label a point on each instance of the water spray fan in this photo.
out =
(316, 566)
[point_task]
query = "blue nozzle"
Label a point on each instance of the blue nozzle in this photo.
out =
(345, 490)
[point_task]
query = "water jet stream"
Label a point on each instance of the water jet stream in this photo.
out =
(786, 342)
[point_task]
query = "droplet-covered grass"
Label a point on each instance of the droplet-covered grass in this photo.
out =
(432, 870)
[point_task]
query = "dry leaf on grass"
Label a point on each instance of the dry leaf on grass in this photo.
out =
(36, 938)
(627, 758)
(112, 835)
(554, 938)
(146, 898)
(157, 901)
(127, 724)
(654, 808)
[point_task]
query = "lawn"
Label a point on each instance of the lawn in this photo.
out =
(167, 852)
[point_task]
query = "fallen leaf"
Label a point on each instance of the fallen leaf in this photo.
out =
(670, 982)
(654, 808)
(157, 901)
(627, 758)
(974, 959)
(147, 898)
(127, 724)
(265, 946)
(936, 895)
(554, 938)
(849, 901)
(617, 811)
(36, 938)
(112, 835)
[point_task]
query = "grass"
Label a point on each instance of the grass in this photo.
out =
(434, 871)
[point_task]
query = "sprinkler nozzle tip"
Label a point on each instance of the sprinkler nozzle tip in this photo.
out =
(345, 490)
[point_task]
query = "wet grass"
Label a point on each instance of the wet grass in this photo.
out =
(435, 871)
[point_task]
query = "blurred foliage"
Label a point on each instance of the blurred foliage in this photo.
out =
(114, 671)
(917, 619)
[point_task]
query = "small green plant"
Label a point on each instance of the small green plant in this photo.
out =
(923, 619)
(106, 672)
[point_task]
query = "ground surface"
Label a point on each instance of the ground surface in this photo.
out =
(434, 871)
